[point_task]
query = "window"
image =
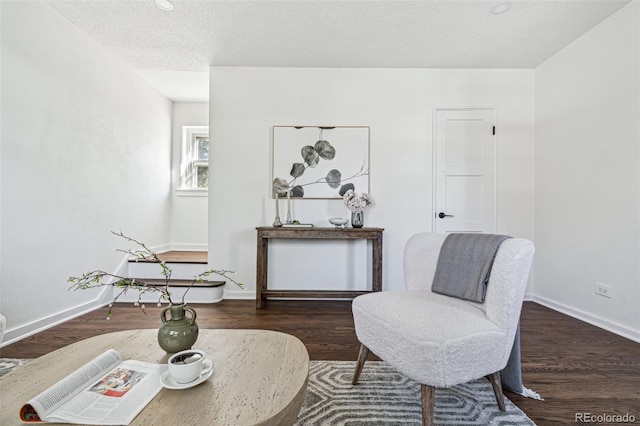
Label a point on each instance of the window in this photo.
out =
(194, 169)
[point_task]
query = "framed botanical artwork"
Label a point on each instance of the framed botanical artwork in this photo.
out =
(320, 162)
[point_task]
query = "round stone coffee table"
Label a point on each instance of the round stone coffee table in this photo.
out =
(259, 377)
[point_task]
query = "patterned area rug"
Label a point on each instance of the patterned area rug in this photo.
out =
(8, 364)
(385, 397)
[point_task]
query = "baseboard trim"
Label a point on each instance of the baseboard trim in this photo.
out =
(160, 248)
(613, 327)
(189, 247)
(238, 294)
(104, 297)
(19, 333)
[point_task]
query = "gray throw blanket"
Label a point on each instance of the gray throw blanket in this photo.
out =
(511, 375)
(463, 271)
(464, 265)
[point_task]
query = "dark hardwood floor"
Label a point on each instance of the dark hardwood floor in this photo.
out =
(576, 367)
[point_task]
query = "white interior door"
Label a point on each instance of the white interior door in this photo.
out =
(465, 188)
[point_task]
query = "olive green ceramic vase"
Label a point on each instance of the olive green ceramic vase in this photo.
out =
(180, 331)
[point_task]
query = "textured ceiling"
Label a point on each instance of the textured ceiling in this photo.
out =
(170, 47)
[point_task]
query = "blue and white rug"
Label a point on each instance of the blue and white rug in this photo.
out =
(385, 397)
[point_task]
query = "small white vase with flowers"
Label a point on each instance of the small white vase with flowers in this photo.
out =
(356, 204)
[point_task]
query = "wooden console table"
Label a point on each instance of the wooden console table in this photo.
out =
(266, 233)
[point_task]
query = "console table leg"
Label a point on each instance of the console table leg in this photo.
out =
(377, 263)
(261, 270)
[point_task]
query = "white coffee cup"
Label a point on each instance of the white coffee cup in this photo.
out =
(187, 366)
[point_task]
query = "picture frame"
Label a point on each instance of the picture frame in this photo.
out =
(320, 162)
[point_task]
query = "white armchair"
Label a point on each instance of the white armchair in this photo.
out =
(442, 341)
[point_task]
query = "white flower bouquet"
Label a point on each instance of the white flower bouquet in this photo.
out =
(356, 203)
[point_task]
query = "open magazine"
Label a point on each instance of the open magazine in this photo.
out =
(105, 391)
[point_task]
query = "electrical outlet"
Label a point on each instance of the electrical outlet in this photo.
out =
(604, 290)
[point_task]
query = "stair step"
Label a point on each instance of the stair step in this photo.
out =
(184, 266)
(180, 283)
(179, 271)
(177, 256)
(204, 292)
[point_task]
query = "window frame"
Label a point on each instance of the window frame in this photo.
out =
(189, 161)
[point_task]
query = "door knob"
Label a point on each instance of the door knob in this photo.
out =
(442, 215)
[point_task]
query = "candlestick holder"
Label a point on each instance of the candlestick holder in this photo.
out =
(289, 220)
(276, 222)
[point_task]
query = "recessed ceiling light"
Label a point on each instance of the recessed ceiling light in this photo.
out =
(501, 8)
(164, 5)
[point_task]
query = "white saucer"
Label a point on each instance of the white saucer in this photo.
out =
(169, 383)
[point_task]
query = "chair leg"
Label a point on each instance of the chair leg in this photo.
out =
(428, 403)
(497, 389)
(362, 357)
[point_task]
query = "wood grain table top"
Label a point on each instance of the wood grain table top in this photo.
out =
(259, 377)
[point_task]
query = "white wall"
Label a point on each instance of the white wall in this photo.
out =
(189, 220)
(85, 150)
(398, 106)
(587, 205)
